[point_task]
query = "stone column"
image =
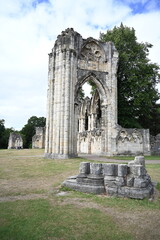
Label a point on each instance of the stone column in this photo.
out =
(61, 132)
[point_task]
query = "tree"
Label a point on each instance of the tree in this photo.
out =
(154, 122)
(137, 78)
(2, 130)
(28, 130)
(4, 134)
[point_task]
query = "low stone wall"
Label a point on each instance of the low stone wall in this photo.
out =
(121, 180)
(133, 142)
(128, 141)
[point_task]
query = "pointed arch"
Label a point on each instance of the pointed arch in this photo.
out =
(102, 90)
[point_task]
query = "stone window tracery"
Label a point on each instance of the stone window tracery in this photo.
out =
(92, 52)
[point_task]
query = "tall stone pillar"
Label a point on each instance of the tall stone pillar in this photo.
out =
(61, 132)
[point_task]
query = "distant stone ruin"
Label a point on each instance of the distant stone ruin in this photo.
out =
(75, 125)
(15, 141)
(38, 140)
(120, 180)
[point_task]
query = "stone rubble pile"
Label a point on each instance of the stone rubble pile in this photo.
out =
(120, 180)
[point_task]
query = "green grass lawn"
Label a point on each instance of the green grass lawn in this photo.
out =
(31, 209)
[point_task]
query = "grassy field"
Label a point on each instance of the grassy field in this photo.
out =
(34, 206)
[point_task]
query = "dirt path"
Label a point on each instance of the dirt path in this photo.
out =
(105, 159)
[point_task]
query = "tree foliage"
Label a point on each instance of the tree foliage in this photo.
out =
(137, 78)
(28, 130)
(2, 130)
(4, 134)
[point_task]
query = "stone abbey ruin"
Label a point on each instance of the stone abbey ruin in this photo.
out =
(15, 141)
(86, 126)
(38, 140)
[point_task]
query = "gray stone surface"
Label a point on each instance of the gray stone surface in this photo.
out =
(15, 141)
(139, 160)
(96, 169)
(122, 170)
(84, 169)
(137, 170)
(120, 181)
(140, 183)
(110, 169)
(132, 181)
(155, 144)
(38, 140)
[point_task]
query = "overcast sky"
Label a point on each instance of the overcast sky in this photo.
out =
(29, 29)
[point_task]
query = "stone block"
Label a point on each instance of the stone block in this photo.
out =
(121, 192)
(147, 177)
(141, 193)
(139, 160)
(97, 189)
(110, 169)
(110, 178)
(84, 169)
(120, 181)
(110, 181)
(137, 170)
(95, 168)
(127, 191)
(122, 170)
(112, 191)
(91, 181)
(140, 183)
(95, 171)
(130, 180)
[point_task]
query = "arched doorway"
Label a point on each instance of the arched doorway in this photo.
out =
(72, 62)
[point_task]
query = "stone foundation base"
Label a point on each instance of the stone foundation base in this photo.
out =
(86, 188)
(119, 180)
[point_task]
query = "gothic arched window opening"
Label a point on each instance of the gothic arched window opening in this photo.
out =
(86, 120)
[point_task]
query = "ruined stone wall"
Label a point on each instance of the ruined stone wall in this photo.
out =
(91, 141)
(120, 180)
(133, 142)
(128, 142)
(72, 62)
(38, 140)
(15, 141)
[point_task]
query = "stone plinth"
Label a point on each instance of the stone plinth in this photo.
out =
(120, 180)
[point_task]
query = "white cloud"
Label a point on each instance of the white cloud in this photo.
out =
(28, 31)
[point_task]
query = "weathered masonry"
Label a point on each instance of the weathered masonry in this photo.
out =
(90, 125)
(15, 141)
(120, 180)
(38, 140)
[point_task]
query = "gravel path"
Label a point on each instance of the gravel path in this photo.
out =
(105, 159)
